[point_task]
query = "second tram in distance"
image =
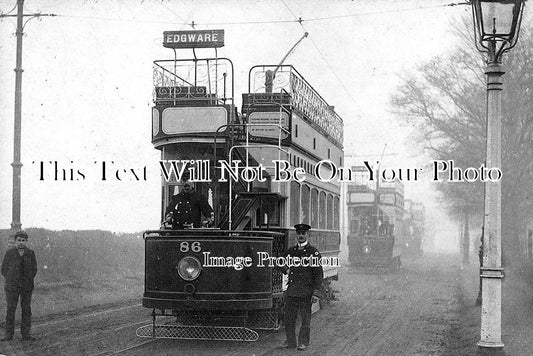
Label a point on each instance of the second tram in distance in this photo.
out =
(382, 225)
(375, 222)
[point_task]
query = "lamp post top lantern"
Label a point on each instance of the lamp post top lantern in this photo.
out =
(497, 24)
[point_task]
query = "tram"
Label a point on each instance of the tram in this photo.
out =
(231, 157)
(414, 229)
(375, 224)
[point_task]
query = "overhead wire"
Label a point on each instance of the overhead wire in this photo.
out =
(387, 11)
(298, 20)
(321, 54)
(174, 12)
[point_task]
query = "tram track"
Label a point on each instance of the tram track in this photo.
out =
(128, 348)
(87, 331)
(83, 316)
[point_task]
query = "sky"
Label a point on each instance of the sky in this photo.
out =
(87, 89)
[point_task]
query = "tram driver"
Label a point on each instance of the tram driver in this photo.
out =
(187, 207)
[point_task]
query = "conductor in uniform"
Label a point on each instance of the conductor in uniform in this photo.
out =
(186, 207)
(304, 288)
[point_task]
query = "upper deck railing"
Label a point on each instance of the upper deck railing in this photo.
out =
(207, 81)
(303, 97)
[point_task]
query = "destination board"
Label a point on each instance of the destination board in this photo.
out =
(193, 39)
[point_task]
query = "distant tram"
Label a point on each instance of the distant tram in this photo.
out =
(414, 229)
(375, 223)
(195, 122)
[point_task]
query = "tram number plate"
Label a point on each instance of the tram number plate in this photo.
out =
(195, 246)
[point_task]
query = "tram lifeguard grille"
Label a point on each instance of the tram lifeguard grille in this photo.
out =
(174, 331)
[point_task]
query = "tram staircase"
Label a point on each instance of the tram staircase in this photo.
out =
(248, 200)
(244, 201)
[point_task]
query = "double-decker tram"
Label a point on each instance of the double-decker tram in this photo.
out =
(414, 229)
(222, 282)
(375, 223)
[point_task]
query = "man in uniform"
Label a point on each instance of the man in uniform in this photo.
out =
(187, 207)
(305, 283)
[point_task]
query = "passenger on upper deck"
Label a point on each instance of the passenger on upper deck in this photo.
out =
(186, 208)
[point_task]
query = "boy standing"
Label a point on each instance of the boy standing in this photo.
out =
(19, 268)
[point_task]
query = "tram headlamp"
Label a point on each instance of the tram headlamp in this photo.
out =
(366, 249)
(189, 268)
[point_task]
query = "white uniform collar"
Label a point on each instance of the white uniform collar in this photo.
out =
(302, 245)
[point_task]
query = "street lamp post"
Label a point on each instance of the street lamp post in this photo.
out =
(497, 23)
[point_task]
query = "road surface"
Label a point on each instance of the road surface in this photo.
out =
(427, 308)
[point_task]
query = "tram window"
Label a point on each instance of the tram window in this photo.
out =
(314, 143)
(295, 203)
(314, 208)
(273, 213)
(329, 153)
(295, 130)
(329, 220)
(163, 204)
(354, 226)
(172, 190)
(168, 192)
(305, 204)
(322, 216)
(336, 221)
(268, 214)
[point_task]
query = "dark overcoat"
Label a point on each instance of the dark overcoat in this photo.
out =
(12, 265)
(304, 281)
(187, 208)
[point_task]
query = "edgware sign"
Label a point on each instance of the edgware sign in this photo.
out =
(193, 39)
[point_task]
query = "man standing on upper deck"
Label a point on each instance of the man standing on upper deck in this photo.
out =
(304, 288)
(187, 207)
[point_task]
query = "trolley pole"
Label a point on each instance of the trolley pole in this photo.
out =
(17, 164)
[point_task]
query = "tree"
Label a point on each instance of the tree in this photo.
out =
(444, 102)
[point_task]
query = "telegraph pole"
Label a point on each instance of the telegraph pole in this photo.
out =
(17, 164)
